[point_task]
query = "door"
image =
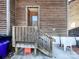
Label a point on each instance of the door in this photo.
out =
(32, 16)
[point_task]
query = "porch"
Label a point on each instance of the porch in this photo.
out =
(31, 37)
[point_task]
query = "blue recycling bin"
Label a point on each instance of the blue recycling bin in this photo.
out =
(4, 48)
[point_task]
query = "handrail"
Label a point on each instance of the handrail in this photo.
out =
(46, 34)
(24, 33)
(48, 41)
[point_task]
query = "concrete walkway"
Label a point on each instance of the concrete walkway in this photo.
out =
(58, 52)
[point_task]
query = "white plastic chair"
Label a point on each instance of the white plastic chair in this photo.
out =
(77, 38)
(67, 41)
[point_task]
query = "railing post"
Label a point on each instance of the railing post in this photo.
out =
(13, 36)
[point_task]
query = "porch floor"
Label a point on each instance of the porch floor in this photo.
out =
(58, 52)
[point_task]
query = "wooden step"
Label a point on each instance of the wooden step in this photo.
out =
(45, 52)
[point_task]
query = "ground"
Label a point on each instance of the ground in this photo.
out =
(58, 53)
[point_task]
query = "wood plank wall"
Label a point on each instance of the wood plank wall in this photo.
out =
(12, 14)
(3, 20)
(52, 14)
(3, 17)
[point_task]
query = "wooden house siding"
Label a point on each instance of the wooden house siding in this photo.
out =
(53, 14)
(3, 17)
(12, 14)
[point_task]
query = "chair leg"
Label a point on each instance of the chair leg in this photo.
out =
(71, 48)
(35, 50)
(64, 48)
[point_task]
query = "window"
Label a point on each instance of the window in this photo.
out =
(34, 20)
(32, 16)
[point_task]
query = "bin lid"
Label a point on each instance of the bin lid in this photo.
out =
(4, 42)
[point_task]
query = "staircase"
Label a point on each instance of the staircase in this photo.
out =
(2, 16)
(45, 43)
(30, 36)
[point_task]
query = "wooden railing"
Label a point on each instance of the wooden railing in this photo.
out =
(45, 41)
(24, 34)
(31, 34)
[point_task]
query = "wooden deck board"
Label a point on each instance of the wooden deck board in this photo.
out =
(26, 45)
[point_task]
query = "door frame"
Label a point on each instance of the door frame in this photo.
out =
(38, 14)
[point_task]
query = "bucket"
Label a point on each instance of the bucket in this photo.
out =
(27, 50)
